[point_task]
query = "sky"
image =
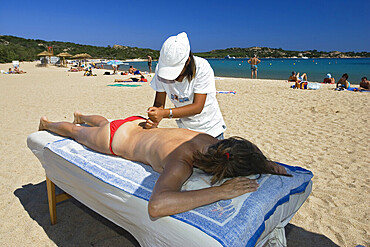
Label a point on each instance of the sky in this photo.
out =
(324, 25)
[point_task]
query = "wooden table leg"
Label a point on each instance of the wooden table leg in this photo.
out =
(52, 200)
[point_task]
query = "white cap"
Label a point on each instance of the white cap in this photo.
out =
(173, 56)
(328, 75)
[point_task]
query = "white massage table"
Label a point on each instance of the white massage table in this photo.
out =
(130, 211)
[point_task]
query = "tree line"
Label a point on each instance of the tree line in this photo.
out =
(16, 48)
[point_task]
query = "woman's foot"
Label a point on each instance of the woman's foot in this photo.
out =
(77, 118)
(43, 122)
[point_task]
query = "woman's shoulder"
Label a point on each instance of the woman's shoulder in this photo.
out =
(200, 60)
(202, 64)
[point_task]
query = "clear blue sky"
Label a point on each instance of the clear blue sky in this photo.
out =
(325, 25)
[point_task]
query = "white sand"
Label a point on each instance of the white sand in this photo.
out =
(324, 131)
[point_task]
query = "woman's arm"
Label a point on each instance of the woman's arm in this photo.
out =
(159, 102)
(160, 99)
(168, 199)
(156, 114)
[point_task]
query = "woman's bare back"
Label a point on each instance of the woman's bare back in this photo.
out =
(153, 146)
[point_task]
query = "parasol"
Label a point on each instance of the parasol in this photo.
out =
(114, 62)
(64, 55)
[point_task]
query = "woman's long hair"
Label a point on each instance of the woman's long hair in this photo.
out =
(233, 157)
(190, 69)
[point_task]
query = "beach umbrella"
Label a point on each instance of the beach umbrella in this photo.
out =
(64, 55)
(81, 56)
(44, 54)
(114, 62)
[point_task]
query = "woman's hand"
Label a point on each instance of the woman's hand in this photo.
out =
(238, 186)
(278, 168)
(155, 115)
(150, 124)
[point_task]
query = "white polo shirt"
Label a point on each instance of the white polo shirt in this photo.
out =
(210, 120)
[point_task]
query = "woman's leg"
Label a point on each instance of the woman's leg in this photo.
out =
(92, 120)
(96, 138)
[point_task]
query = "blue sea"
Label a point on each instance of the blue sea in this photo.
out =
(281, 69)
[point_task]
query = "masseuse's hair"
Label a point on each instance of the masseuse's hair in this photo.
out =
(190, 70)
(233, 157)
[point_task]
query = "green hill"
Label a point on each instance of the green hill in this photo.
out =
(16, 48)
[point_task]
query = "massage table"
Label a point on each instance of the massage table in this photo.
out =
(119, 190)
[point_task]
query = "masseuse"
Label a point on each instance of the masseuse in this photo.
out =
(189, 83)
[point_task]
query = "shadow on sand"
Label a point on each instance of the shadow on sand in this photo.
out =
(77, 225)
(297, 236)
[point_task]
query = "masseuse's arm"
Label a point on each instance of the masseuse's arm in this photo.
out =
(157, 113)
(159, 102)
(167, 199)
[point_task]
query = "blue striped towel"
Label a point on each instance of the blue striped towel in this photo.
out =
(235, 222)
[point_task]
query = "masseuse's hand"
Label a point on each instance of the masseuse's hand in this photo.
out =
(150, 124)
(155, 115)
(238, 186)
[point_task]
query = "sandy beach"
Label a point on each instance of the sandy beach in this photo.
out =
(323, 130)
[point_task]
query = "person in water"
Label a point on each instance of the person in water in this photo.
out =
(173, 152)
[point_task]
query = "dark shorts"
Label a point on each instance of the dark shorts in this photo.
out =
(254, 67)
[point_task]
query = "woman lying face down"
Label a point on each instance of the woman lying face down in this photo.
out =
(173, 152)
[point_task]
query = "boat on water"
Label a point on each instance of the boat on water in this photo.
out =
(228, 57)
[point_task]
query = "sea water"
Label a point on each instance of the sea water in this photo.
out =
(275, 68)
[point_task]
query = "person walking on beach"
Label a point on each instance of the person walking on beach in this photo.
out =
(173, 153)
(150, 63)
(253, 62)
(190, 85)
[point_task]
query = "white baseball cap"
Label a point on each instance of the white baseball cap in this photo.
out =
(328, 75)
(173, 56)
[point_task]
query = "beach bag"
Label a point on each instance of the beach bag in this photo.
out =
(106, 73)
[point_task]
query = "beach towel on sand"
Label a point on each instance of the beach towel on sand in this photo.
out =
(236, 222)
(356, 89)
(124, 85)
(226, 92)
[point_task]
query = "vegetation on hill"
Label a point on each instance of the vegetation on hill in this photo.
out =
(265, 52)
(15, 48)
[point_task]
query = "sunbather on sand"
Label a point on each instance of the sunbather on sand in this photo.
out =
(73, 69)
(295, 77)
(329, 79)
(134, 71)
(173, 152)
(364, 84)
(17, 71)
(132, 79)
(343, 82)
